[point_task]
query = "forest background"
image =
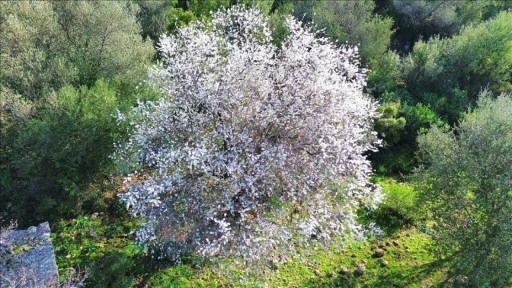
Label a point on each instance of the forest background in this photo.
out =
(68, 67)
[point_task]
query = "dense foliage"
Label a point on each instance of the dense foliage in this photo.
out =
(67, 68)
(466, 184)
(242, 147)
(478, 57)
(46, 45)
(423, 19)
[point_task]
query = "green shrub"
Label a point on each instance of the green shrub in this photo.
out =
(390, 124)
(399, 130)
(354, 22)
(61, 156)
(46, 45)
(181, 13)
(465, 186)
(101, 244)
(384, 76)
(447, 74)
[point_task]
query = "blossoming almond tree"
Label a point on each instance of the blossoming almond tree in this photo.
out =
(244, 147)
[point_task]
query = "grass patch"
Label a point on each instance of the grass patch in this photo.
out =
(398, 211)
(101, 244)
(406, 263)
(105, 245)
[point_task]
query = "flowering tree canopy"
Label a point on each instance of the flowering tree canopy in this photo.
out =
(243, 150)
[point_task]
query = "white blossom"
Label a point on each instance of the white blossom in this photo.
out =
(245, 145)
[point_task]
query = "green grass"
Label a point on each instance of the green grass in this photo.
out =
(398, 211)
(409, 264)
(103, 244)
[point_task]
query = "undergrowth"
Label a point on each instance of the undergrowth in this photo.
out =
(104, 244)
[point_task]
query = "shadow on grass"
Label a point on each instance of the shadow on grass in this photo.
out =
(431, 274)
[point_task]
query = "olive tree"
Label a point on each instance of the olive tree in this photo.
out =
(240, 154)
(467, 185)
(448, 74)
(45, 45)
(31, 62)
(354, 22)
(102, 39)
(63, 65)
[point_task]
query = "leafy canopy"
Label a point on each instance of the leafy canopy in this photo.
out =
(238, 155)
(47, 45)
(466, 184)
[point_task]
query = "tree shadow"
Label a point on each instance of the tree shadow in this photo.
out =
(431, 274)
